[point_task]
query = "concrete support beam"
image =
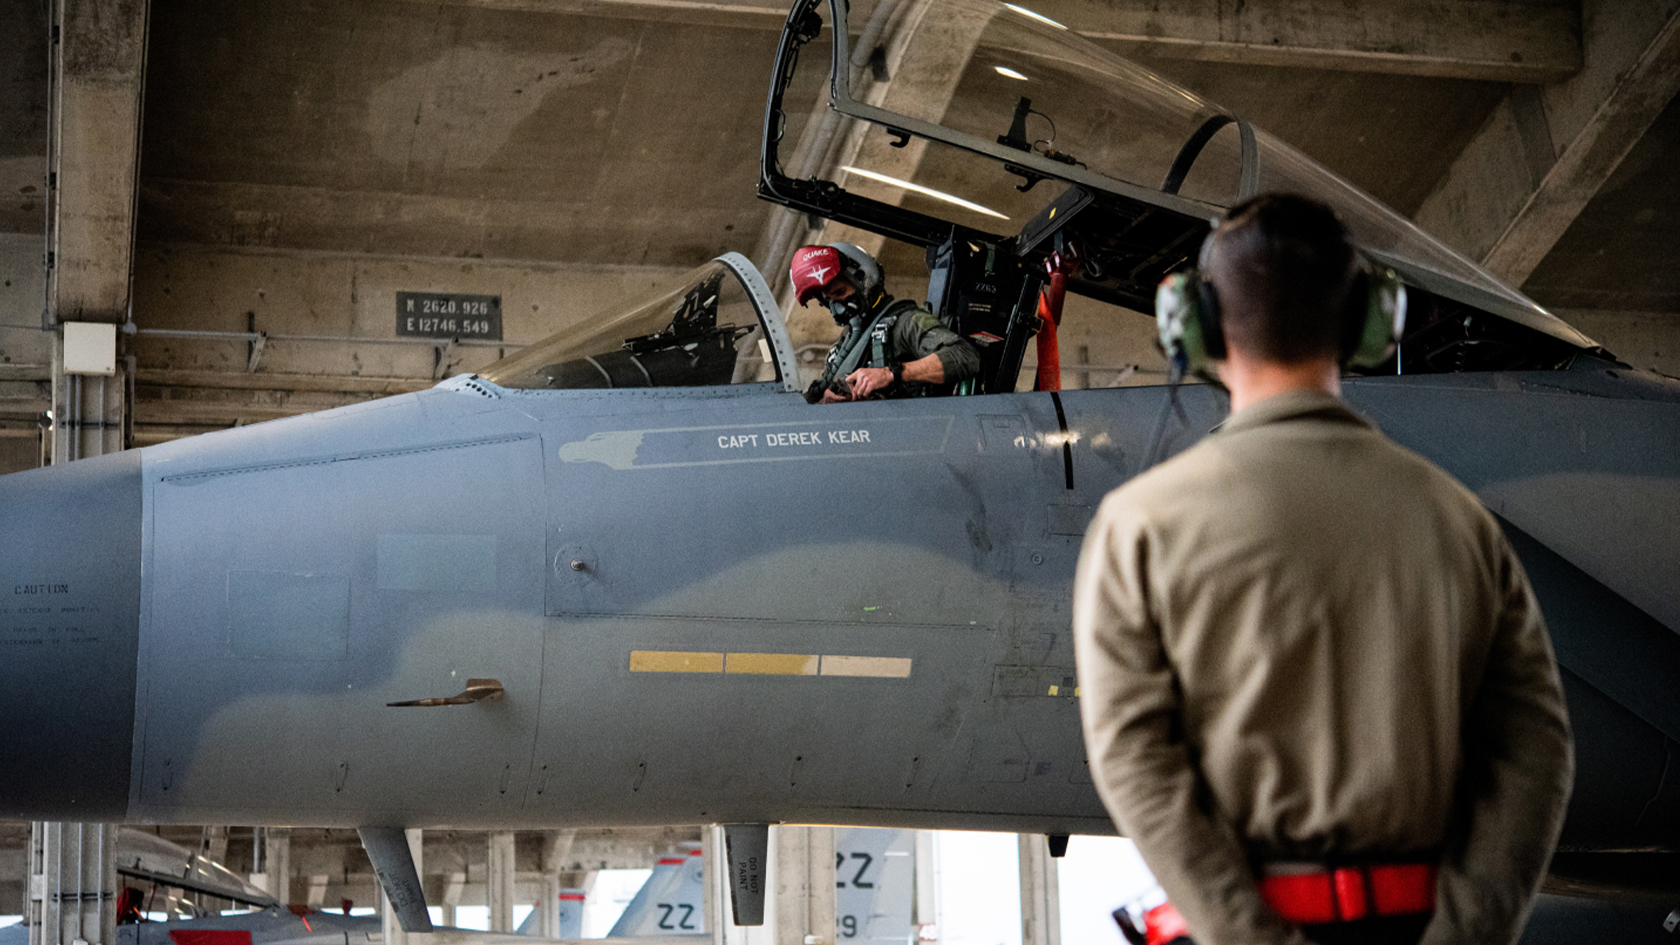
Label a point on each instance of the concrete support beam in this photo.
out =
(73, 884)
(1543, 154)
(231, 408)
(213, 847)
(98, 71)
(229, 380)
(277, 863)
(927, 887)
(454, 884)
(1496, 40)
(499, 881)
(317, 895)
(1499, 40)
(713, 868)
(557, 846)
(802, 897)
(1041, 915)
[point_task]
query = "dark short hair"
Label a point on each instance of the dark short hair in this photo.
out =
(1283, 267)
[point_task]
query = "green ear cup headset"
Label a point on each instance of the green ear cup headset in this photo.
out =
(1188, 326)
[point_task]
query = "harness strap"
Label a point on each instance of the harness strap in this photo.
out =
(878, 340)
(843, 360)
(848, 355)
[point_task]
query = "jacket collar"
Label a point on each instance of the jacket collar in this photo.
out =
(1292, 405)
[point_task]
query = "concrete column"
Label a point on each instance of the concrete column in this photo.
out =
(259, 859)
(452, 888)
(277, 862)
(713, 869)
(927, 888)
(499, 881)
(1041, 917)
(73, 884)
(557, 846)
(215, 845)
(392, 931)
(96, 76)
(803, 890)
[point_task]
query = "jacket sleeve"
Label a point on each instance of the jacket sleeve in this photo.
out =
(922, 333)
(1140, 761)
(1518, 771)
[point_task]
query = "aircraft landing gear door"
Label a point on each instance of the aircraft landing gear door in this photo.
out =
(410, 574)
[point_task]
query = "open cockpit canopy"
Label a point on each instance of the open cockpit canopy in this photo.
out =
(712, 328)
(996, 124)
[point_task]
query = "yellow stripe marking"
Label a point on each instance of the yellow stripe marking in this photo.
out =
(774, 664)
(667, 661)
(891, 667)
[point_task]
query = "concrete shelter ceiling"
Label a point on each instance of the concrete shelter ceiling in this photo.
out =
(570, 132)
(1620, 252)
(23, 115)
(447, 130)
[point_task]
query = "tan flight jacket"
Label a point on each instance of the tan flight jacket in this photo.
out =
(1298, 640)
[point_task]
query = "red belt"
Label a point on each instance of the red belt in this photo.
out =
(1350, 893)
(1321, 896)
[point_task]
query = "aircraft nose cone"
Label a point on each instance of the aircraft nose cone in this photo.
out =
(69, 637)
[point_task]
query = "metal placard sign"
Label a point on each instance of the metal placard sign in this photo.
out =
(449, 315)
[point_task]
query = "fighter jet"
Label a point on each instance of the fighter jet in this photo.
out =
(157, 862)
(672, 901)
(570, 918)
(629, 576)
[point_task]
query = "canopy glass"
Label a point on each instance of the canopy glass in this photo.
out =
(983, 113)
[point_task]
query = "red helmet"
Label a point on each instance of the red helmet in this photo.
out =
(816, 267)
(813, 268)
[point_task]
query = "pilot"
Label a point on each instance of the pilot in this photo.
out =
(889, 348)
(1316, 687)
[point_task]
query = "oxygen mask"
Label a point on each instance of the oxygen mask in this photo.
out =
(845, 310)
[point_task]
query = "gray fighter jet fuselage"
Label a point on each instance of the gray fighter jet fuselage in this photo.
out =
(719, 605)
(716, 603)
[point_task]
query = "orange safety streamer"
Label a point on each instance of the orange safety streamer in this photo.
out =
(1050, 299)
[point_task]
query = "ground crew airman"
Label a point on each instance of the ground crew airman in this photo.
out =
(889, 348)
(1316, 687)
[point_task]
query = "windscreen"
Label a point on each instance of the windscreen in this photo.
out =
(1014, 88)
(702, 331)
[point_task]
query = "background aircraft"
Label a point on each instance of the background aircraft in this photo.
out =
(156, 862)
(628, 576)
(672, 901)
(569, 920)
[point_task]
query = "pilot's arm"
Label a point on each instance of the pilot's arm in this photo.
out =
(930, 354)
(865, 381)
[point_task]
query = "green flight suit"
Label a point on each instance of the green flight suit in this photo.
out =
(901, 332)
